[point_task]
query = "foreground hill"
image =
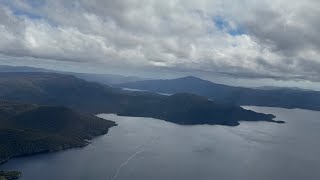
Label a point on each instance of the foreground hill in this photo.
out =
(28, 129)
(273, 97)
(64, 90)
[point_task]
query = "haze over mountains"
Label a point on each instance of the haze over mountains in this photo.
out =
(100, 78)
(273, 97)
(260, 96)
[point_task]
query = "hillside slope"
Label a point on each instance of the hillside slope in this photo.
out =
(28, 129)
(276, 97)
(83, 96)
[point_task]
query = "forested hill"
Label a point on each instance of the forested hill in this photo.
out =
(273, 97)
(28, 129)
(83, 96)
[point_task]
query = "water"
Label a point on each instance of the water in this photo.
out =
(140, 90)
(146, 148)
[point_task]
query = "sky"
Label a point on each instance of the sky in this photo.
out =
(247, 42)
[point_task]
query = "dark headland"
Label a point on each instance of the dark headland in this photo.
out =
(27, 129)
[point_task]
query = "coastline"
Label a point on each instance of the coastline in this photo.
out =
(15, 174)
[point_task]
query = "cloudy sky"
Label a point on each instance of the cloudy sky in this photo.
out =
(273, 40)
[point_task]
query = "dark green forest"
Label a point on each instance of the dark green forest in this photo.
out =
(90, 97)
(27, 129)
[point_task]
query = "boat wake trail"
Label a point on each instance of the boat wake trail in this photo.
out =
(140, 149)
(126, 162)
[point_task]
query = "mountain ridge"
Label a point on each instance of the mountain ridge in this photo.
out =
(277, 97)
(94, 98)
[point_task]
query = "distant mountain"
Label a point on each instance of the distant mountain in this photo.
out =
(83, 96)
(6, 68)
(108, 79)
(279, 88)
(28, 129)
(273, 97)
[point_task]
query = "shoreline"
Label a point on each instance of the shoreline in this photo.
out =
(85, 143)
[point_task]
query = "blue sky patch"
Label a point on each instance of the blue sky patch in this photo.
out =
(26, 14)
(224, 25)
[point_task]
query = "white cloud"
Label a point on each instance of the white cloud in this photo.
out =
(254, 38)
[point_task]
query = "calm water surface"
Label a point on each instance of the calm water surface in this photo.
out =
(146, 148)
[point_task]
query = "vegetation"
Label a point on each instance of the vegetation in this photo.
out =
(35, 115)
(9, 175)
(189, 109)
(65, 90)
(29, 129)
(273, 97)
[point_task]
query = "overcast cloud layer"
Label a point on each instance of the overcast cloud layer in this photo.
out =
(248, 38)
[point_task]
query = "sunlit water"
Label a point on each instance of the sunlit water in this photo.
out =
(146, 148)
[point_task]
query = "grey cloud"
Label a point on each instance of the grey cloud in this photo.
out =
(280, 38)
